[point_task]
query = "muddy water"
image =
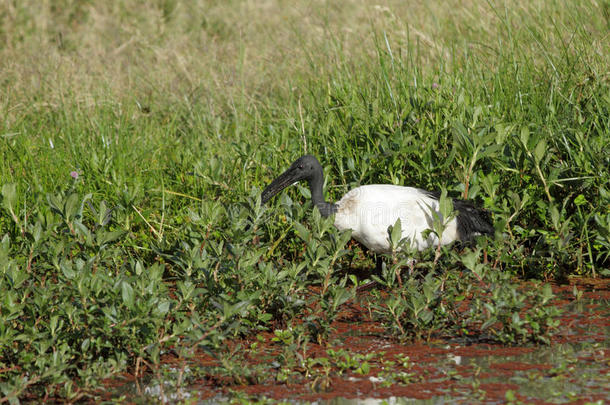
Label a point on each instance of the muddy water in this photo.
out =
(575, 368)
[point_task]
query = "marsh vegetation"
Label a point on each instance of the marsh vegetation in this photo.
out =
(136, 137)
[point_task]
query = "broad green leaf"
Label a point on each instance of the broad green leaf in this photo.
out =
(540, 150)
(525, 136)
(71, 206)
(580, 200)
(163, 307)
(67, 270)
(104, 237)
(301, 231)
(9, 195)
(554, 215)
(128, 294)
(445, 205)
(396, 233)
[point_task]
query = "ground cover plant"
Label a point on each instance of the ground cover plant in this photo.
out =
(136, 138)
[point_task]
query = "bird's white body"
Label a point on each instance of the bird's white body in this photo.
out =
(369, 210)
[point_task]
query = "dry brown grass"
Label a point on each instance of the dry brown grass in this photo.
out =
(220, 51)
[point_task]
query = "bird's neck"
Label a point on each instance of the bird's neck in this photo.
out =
(317, 196)
(327, 209)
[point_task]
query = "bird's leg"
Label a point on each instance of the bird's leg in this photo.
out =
(378, 272)
(378, 264)
(398, 276)
(396, 269)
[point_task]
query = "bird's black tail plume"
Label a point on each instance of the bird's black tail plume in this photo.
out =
(472, 221)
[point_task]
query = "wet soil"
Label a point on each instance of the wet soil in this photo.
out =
(574, 368)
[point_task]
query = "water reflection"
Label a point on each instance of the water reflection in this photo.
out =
(558, 373)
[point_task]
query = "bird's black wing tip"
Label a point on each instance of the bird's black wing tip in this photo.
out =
(472, 221)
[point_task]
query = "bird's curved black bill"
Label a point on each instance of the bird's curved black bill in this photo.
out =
(281, 182)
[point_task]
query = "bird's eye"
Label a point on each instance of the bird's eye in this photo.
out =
(300, 166)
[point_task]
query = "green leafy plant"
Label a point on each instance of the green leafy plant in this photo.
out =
(131, 227)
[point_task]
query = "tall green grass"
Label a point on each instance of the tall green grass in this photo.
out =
(173, 117)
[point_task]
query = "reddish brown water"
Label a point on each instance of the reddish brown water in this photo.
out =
(573, 369)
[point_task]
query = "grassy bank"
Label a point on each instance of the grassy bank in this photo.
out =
(136, 137)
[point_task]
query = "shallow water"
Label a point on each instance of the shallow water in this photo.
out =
(575, 367)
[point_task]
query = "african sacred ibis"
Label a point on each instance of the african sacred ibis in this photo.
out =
(369, 210)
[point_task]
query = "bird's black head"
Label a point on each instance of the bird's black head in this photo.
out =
(304, 168)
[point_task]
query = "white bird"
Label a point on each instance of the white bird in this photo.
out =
(369, 210)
